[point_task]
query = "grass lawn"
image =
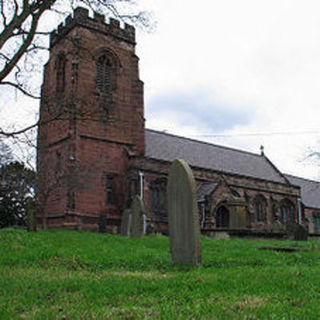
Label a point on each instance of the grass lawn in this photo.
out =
(83, 275)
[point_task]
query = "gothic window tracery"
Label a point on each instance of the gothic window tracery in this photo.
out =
(103, 77)
(106, 68)
(159, 197)
(260, 204)
(286, 211)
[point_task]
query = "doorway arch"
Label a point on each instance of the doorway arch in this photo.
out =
(223, 217)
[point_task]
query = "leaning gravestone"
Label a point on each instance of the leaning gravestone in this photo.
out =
(137, 220)
(102, 224)
(183, 218)
(126, 223)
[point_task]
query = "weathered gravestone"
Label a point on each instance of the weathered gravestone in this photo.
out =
(31, 216)
(300, 233)
(137, 217)
(277, 226)
(102, 224)
(183, 218)
(126, 223)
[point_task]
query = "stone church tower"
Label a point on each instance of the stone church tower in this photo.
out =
(92, 119)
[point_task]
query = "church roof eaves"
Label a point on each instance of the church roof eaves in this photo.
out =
(205, 155)
(204, 142)
(310, 190)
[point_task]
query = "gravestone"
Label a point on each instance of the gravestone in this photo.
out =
(126, 223)
(102, 224)
(145, 224)
(137, 219)
(31, 216)
(238, 218)
(300, 233)
(183, 218)
(277, 226)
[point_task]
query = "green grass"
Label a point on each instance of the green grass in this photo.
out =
(83, 275)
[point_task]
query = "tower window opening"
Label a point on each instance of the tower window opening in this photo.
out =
(103, 78)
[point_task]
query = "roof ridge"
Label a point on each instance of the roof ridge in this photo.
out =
(306, 179)
(204, 142)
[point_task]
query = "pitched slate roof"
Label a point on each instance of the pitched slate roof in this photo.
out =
(163, 146)
(206, 188)
(310, 190)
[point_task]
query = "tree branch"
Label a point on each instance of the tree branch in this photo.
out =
(15, 22)
(17, 86)
(35, 19)
(14, 133)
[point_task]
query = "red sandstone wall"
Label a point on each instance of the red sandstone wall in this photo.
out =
(93, 142)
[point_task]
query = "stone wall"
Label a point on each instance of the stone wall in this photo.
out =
(86, 134)
(229, 186)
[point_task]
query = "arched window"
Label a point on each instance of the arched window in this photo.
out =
(260, 204)
(287, 212)
(60, 74)
(222, 217)
(275, 210)
(159, 197)
(316, 222)
(103, 76)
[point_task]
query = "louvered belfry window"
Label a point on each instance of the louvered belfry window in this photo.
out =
(103, 78)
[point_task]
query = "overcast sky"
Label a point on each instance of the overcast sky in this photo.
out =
(219, 70)
(236, 73)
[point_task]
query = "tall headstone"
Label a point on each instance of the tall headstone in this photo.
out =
(102, 224)
(31, 216)
(300, 233)
(126, 223)
(184, 225)
(137, 220)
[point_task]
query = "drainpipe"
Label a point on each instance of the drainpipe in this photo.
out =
(203, 214)
(141, 184)
(299, 211)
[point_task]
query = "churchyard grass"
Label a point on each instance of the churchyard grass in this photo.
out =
(84, 275)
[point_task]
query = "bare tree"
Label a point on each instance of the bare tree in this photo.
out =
(24, 37)
(5, 153)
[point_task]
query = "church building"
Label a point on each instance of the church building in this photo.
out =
(95, 154)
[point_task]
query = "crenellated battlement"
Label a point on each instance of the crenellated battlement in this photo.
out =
(97, 23)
